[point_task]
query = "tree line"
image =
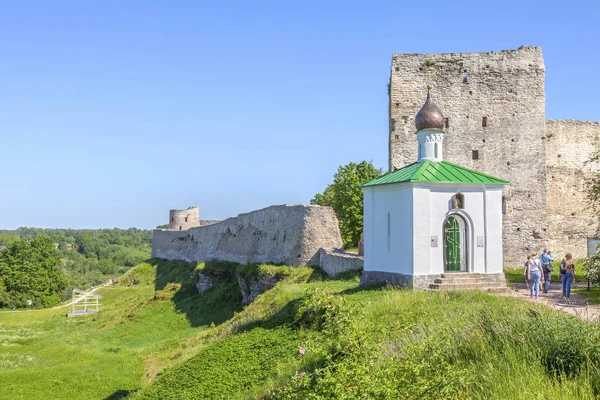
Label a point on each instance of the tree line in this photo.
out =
(44, 265)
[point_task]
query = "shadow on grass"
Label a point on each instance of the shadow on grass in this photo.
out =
(120, 395)
(283, 317)
(215, 306)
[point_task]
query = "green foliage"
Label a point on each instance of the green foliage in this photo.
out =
(7, 238)
(320, 310)
(346, 198)
(514, 275)
(30, 271)
(90, 257)
(140, 329)
(591, 266)
(447, 345)
(226, 368)
(305, 339)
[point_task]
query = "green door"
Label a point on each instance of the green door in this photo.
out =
(452, 244)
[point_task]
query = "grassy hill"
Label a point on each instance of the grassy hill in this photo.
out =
(308, 338)
(141, 328)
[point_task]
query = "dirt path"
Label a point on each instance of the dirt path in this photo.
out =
(575, 304)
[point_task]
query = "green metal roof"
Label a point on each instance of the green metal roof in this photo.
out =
(435, 172)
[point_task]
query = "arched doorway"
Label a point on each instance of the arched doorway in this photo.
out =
(455, 244)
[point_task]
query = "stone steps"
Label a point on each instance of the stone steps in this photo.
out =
(461, 281)
(463, 275)
(469, 281)
(465, 286)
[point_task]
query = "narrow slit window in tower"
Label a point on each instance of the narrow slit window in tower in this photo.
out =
(179, 228)
(475, 155)
(484, 122)
(186, 219)
(446, 122)
(435, 150)
(503, 204)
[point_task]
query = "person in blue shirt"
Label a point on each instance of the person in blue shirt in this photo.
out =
(545, 259)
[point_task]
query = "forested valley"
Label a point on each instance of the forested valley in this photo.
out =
(40, 267)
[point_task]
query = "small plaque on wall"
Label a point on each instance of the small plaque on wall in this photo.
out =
(434, 241)
(480, 241)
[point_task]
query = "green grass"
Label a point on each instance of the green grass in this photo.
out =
(592, 295)
(373, 343)
(142, 327)
(156, 338)
(514, 275)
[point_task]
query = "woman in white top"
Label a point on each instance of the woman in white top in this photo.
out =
(534, 275)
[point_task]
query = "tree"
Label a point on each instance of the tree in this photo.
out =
(346, 198)
(31, 270)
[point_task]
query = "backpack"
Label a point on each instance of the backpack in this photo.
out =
(563, 268)
(549, 267)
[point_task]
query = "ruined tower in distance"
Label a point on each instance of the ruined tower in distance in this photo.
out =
(181, 220)
(494, 104)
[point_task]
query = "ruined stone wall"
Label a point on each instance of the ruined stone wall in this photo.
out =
(290, 235)
(495, 109)
(180, 220)
(336, 261)
(571, 220)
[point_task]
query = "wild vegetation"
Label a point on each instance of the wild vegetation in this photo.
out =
(31, 274)
(346, 198)
(86, 258)
(310, 337)
(395, 344)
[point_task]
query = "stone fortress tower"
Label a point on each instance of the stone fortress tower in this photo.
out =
(181, 220)
(494, 107)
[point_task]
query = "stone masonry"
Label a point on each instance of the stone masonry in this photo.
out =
(285, 234)
(494, 104)
(180, 220)
(571, 220)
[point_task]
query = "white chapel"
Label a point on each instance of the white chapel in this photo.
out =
(433, 224)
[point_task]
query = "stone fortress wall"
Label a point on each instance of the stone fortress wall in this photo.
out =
(494, 104)
(290, 235)
(571, 220)
(181, 220)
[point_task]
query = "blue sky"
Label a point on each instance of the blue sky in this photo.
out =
(113, 112)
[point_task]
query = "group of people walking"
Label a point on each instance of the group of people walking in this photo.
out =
(538, 273)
